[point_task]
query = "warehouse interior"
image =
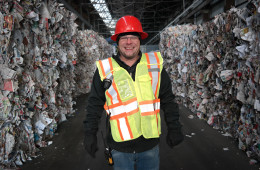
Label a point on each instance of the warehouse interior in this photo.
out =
(154, 15)
(49, 48)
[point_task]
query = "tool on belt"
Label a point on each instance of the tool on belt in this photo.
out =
(107, 152)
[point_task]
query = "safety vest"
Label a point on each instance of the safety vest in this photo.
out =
(133, 106)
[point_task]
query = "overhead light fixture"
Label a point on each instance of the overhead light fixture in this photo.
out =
(102, 9)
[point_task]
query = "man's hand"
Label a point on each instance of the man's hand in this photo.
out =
(174, 137)
(90, 144)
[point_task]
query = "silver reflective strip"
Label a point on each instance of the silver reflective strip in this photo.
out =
(152, 58)
(155, 76)
(156, 105)
(109, 75)
(106, 66)
(124, 129)
(146, 108)
(155, 81)
(113, 93)
(124, 108)
(154, 70)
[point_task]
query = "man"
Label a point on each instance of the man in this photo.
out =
(132, 87)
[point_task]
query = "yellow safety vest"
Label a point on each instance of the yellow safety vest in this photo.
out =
(134, 106)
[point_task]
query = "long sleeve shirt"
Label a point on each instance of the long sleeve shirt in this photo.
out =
(95, 108)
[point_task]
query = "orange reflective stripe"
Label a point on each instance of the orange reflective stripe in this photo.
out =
(147, 59)
(149, 101)
(146, 102)
(157, 59)
(150, 113)
(149, 66)
(106, 108)
(119, 129)
(118, 116)
(122, 103)
(102, 68)
(129, 128)
(130, 101)
(110, 97)
(124, 114)
(114, 105)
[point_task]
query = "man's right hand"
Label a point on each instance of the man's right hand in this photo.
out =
(90, 144)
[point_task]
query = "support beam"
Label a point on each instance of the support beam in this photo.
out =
(176, 20)
(136, 2)
(188, 12)
(206, 2)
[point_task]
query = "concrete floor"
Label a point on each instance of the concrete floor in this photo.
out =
(202, 149)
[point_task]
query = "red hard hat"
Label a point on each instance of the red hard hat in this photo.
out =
(129, 24)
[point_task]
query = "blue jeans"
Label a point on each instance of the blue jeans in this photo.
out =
(148, 160)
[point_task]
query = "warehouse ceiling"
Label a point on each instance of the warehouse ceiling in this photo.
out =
(154, 15)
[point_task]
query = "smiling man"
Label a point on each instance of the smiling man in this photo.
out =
(132, 88)
(129, 47)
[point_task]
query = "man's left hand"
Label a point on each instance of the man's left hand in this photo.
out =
(174, 137)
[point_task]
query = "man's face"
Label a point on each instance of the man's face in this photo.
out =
(129, 46)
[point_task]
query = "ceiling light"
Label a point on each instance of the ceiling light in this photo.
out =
(102, 9)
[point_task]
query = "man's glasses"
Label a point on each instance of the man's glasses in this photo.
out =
(132, 38)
